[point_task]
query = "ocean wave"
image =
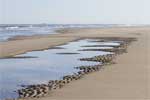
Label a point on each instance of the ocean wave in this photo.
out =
(12, 27)
(10, 30)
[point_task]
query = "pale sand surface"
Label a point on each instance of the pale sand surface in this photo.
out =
(129, 79)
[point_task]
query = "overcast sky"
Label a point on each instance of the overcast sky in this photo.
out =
(75, 11)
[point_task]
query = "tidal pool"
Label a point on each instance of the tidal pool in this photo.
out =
(40, 66)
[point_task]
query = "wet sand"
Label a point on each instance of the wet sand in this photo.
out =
(22, 44)
(127, 80)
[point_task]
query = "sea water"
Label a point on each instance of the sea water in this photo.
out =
(10, 30)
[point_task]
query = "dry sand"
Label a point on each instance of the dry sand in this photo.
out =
(129, 79)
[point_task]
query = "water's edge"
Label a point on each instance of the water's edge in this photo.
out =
(34, 90)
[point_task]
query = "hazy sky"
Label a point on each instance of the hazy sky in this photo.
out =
(75, 11)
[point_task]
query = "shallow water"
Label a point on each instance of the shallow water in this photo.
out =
(45, 65)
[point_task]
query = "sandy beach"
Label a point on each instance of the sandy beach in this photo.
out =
(129, 79)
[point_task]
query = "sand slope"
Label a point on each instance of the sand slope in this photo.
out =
(129, 79)
(24, 44)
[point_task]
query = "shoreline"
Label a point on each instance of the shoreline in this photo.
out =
(41, 42)
(126, 80)
(82, 70)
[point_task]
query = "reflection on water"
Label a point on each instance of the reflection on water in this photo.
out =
(42, 66)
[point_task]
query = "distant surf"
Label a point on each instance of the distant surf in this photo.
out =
(11, 30)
